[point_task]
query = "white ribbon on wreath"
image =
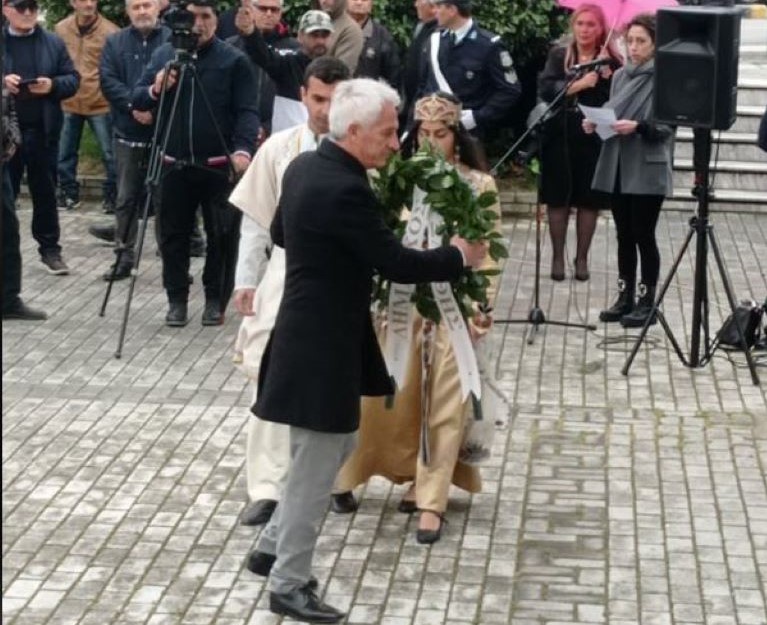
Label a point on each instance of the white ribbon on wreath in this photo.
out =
(424, 221)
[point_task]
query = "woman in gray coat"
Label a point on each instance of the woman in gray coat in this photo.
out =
(635, 166)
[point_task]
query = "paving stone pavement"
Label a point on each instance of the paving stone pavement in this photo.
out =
(610, 499)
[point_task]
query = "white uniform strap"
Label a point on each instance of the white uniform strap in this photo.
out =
(438, 75)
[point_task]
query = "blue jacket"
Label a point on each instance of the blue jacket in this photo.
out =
(124, 59)
(53, 61)
(227, 79)
(480, 73)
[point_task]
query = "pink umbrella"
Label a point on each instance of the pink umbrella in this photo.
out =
(619, 12)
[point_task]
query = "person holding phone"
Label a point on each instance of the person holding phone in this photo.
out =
(38, 73)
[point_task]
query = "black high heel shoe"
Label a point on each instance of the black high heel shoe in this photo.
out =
(427, 537)
(581, 276)
(557, 274)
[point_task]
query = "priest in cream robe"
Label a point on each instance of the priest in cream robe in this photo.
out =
(260, 277)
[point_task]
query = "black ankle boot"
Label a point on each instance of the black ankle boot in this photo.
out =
(637, 317)
(623, 305)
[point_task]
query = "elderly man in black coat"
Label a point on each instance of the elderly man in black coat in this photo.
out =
(323, 354)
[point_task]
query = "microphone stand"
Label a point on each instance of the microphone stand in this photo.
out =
(536, 316)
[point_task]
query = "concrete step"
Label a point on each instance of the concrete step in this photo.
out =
(735, 175)
(752, 91)
(730, 146)
(724, 200)
(749, 116)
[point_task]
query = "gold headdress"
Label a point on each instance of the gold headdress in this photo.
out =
(434, 108)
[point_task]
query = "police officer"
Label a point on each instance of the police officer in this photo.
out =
(471, 63)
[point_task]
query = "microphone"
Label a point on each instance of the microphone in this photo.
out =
(585, 67)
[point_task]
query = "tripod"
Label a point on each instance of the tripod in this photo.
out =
(704, 233)
(536, 316)
(183, 65)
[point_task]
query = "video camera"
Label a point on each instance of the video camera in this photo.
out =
(181, 24)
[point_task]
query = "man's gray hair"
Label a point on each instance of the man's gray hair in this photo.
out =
(358, 101)
(129, 2)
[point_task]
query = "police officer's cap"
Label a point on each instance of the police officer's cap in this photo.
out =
(315, 20)
(459, 4)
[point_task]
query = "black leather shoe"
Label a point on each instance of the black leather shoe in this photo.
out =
(407, 506)
(212, 315)
(261, 563)
(105, 233)
(123, 271)
(19, 310)
(258, 512)
(303, 605)
(176, 317)
(344, 503)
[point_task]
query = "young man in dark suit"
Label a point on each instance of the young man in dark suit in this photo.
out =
(323, 353)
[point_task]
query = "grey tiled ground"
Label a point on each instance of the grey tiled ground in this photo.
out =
(611, 499)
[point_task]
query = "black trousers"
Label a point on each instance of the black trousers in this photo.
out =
(36, 153)
(181, 192)
(11, 241)
(636, 217)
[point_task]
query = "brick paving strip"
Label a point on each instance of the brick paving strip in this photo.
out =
(610, 499)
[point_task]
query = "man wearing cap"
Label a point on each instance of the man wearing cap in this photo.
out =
(197, 165)
(286, 67)
(472, 64)
(39, 73)
(347, 39)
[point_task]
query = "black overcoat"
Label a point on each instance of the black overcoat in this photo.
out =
(323, 354)
(568, 155)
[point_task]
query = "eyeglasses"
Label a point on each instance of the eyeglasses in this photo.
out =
(269, 9)
(23, 7)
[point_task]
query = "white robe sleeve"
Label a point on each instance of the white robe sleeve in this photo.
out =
(255, 247)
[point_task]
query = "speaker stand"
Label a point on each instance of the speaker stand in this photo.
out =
(704, 233)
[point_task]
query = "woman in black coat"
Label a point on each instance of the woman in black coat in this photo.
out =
(568, 155)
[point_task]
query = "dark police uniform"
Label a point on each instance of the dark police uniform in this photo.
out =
(480, 73)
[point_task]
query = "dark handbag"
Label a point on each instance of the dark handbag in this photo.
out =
(749, 314)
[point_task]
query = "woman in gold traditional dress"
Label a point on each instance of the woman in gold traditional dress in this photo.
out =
(390, 437)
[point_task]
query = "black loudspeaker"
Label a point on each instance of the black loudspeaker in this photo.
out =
(696, 66)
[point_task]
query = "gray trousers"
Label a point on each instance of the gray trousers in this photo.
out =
(315, 458)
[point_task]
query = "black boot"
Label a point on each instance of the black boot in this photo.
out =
(623, 305)
(637, 317)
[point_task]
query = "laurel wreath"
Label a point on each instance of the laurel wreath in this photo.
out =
(465, 214)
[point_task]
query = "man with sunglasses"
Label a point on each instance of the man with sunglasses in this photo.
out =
(265, 15)
(39, 73)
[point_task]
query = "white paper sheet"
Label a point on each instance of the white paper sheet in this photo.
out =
(287, 113)
(604, 118)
